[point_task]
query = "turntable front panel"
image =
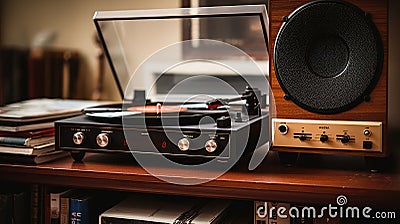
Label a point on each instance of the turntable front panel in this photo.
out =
(201, 141)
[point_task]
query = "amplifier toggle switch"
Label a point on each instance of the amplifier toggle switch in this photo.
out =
(102, 140)
(78, 138)
(344, 138)
(303, 136)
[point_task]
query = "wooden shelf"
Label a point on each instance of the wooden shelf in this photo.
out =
(305, 184)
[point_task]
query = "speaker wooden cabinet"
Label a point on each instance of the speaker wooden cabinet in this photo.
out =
(312, 93)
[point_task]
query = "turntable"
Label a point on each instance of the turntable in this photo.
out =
(188, 94)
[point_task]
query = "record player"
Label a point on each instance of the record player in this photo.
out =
(190, 93)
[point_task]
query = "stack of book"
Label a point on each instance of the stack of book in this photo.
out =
(35, 146)
(79, 205)
(27, 128)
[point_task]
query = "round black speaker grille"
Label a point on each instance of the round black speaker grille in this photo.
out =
(328, 56)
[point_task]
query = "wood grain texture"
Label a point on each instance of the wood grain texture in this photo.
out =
(374, 110)
(316, 180)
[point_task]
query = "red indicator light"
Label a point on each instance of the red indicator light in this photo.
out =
(164, 144)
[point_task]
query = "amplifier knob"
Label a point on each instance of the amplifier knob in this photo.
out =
(211, 145)
(367, 132)
(78, 138)
(345, 139)
(183, 144)
(323, 138)
(283, 129)
(102, 139)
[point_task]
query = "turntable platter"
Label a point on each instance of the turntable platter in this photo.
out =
(157, 109)
(153, 114)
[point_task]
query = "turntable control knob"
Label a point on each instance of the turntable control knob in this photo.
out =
(211, 145)
(78, 138)
(345, 139)
(183, 144)
(323, 138)
(102, 139)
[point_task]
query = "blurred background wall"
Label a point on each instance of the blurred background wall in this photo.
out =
(23, 22)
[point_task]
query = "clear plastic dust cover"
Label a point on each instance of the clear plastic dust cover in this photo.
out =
(186, 54)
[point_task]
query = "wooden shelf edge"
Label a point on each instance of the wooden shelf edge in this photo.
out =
(299, 194)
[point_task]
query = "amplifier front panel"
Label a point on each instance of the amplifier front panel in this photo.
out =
(328, 134)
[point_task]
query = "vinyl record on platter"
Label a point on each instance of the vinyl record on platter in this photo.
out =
(157, 109)
(153, 114)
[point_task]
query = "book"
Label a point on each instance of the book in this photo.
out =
(26, 127)
(13, 74)
(12, 205)
(79, 209)
(43, 109)
(142, 208)
(274, 218)
(55, 203)
(70, 73)
(260, 212)
(35, 114)
(267, 212)
(36, 203)
(19, 75)
(64, 207)
(48, 70)
(29, 134)
(22, 141)
(5, 208)
(74, 206)
(239, 212)
(36, 73)
(22, 150)
(82, 205)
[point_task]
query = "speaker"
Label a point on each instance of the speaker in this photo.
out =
(333, 76)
